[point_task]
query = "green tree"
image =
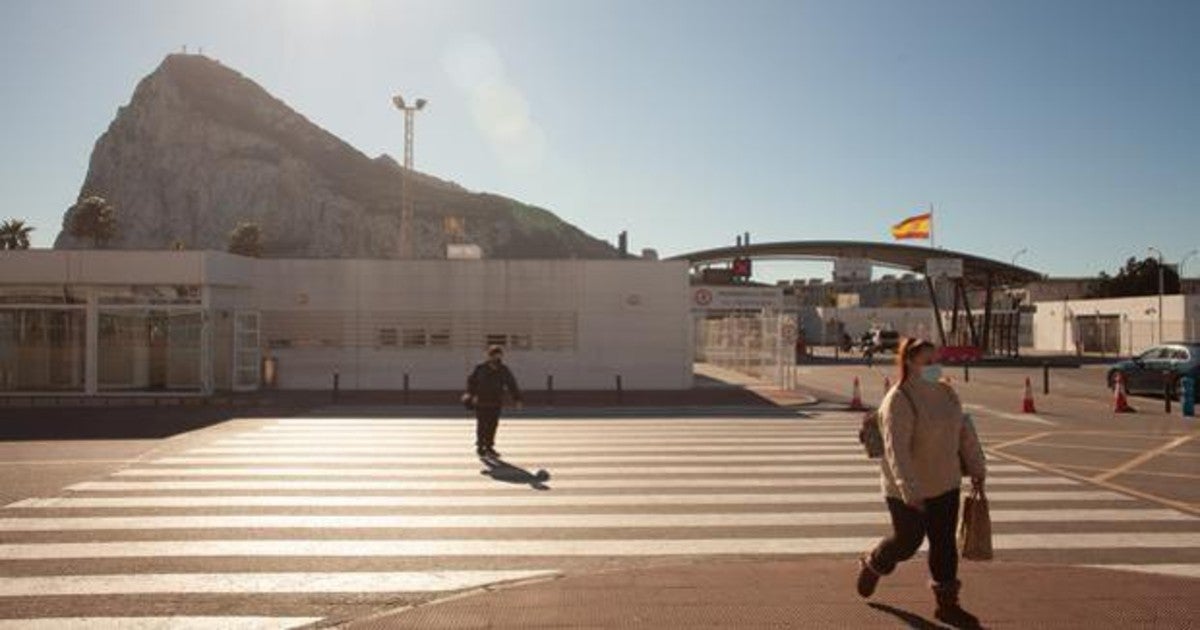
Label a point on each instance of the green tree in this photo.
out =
(1137, 277)
(14, 234)
(93, 217)
(246, 239)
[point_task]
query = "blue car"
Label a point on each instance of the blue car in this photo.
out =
(1158, 367)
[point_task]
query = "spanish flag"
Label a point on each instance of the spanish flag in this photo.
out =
(913, 227)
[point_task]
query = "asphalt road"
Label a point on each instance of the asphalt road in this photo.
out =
(285, 522)
(1075, 430)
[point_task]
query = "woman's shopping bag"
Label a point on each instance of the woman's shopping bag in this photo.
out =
(975, 527)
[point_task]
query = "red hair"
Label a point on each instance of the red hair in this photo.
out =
(909, 347)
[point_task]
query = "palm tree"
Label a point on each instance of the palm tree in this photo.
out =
(93, 217)
(246, 239)
(14, 234)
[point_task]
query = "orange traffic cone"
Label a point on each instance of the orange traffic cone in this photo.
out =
(1027, 404)
(856, 403)
(1120, 401)
(887, 384)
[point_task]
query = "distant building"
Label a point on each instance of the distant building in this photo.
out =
(102, 322)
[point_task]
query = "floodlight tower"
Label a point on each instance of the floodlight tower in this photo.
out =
(406, 201)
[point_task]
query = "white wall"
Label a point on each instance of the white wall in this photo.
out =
(1053, 328)
(631, 319)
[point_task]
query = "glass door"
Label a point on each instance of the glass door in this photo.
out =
(247, 356)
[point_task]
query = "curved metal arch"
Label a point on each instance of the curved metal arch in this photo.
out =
(976, 269)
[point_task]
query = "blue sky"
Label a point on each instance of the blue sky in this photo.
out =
(1070, 128)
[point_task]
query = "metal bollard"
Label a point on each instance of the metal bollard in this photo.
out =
(620, 391)
(406, 388)
(549, 389)
(1046, 377)
(1167, 393)
(966, 372)
(1188, 402)
(336, 384)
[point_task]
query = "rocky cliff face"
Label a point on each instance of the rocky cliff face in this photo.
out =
(200, 147)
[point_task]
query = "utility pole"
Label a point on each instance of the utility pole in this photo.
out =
(406, 200)
(1161, 289)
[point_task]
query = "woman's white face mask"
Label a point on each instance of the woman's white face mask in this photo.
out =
(932, 372)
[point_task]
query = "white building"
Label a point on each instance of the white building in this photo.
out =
(1124, 326)
(96, 322)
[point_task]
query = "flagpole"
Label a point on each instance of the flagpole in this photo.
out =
(932, 241)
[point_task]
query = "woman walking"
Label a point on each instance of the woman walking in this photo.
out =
(928, 447)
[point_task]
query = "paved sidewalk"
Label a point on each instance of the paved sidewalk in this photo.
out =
(814, 593)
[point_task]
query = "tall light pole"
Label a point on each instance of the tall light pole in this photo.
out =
(1183, 261)
(1161, 290)
(1023, 251)
(406, 200)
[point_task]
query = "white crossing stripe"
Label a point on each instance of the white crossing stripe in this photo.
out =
(244, 457)
(457, 441)
(560, 472)
(552, 520)
(486, 483)
(471, 480)
(551, 547)
(525, 499)
(566, 424)
(157, 623)
(1180, 570)
(419, 448)
(726, 463)
(345, 582)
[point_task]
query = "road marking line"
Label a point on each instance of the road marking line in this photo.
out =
(1027, 438)
(552, 547)
(848, 448)
(1145, 457)
(725, 462)
(157, 623)
(248, 583)
(1111, 449)
(1020, 417)
(485, 483)
(558, 422)
(526, 499)
(1182, 570)
(654, 472)
(242, 456)
(1125, 490)
(1151, 473)
(62, 462)
(835, 438)
(552, 520)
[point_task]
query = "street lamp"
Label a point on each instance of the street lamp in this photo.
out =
(406, 201)
(1161, 290)
(1183, 261)
(1023, 251)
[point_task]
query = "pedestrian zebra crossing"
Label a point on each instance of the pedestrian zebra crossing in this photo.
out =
(297, 521)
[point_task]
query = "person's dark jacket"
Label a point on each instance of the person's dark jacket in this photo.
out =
(488, 383)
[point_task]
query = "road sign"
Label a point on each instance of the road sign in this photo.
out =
(852, 270)
(944, 267)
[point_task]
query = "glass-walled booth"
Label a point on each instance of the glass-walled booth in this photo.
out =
(158, 332)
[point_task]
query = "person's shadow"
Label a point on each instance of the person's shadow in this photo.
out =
(911, 620)
(501, 470)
